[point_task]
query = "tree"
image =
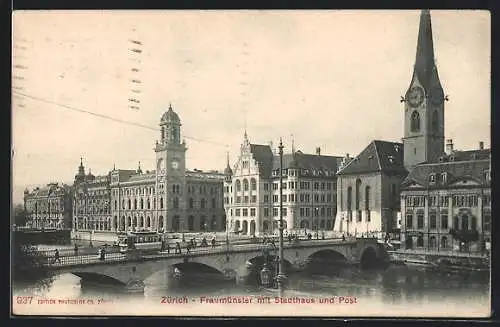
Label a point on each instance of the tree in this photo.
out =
(19, 215)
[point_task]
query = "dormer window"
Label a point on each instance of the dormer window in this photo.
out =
(432, 178)
(444, 177)
(452, 158)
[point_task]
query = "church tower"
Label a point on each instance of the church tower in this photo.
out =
(424, 103)
(170, 174)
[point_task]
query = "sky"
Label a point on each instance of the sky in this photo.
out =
(329, 79)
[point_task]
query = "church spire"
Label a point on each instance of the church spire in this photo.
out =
(425, 66)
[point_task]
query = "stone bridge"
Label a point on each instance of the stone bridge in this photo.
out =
(233, 262)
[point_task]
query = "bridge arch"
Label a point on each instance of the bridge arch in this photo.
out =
(369, 257)
(96, 278)
(327, 255)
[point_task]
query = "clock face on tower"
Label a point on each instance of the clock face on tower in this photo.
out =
(437, 96)
(175, 164)
(415, 96)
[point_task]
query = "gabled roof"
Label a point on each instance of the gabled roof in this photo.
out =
(378, 156)
(302, 160)
(264, 157)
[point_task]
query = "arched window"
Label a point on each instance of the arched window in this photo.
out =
(149, 204)
(432, 242)
(176, 203)
(238, 185)
(455, 222)
(358, 185)
(415, 122)
(135, 204)
(191, 223)
(253, 184)
(420, 241)
(444, 242)
(142, 203)
(465, 222)
(349, 198)
(161, 203)
(367, 198)
(203, 224)
(129, 204)
(116, 204)
(163, 133)
(435, 121)
(245, 185)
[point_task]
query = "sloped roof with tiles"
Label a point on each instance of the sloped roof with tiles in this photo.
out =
(460, 165)
(378, 156)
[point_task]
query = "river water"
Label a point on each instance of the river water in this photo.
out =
(395, 291)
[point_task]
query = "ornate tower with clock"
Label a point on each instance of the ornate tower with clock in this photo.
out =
(170, 174)
(424, 103)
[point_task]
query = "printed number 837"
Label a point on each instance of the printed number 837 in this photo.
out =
(24, 299)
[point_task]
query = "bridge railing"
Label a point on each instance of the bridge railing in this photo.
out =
(79, 252)
(220, 248)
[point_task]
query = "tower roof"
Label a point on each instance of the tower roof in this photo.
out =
(170, 116)
(425, 66)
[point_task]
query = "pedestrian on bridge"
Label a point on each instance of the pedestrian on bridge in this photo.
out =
(213, 242)
(56, 256)
(168, 247)
(178, 247)
(76, 250)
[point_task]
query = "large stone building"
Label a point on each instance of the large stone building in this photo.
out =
(49, 206)
(91, 202)
(368, 189)
(251, 190)
(168, 199)
(448, 202)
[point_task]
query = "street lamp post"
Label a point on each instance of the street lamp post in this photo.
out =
(281, 273)
(316, 213)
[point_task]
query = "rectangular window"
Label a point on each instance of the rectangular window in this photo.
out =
(245, 199)
(308, 212)
(444, 221)
(432, 221)
(238, 199)
(284, 212)
(409, 221)
(276, 198)
(252, 212)
(275, 186)
(283, 186)
(420, 221)
(487, 222)
(302, 198)
(283, 198)
(266, 186)
(275, 212)
(266, 212)
(266, 198)
(245, 212)
(254, 198)
(237, 212)
(302, 212)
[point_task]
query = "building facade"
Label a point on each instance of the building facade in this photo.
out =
(91, 202)
(168, 199)
(447, 205)
(49, 207)
(252, 190)
(368, 190)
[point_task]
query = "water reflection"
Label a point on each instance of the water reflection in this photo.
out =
(395, 285)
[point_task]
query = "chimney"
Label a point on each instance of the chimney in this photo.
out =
(481, 145)
(449, 146)
(318, 151)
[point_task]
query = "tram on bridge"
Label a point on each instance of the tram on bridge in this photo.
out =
(142, 241)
